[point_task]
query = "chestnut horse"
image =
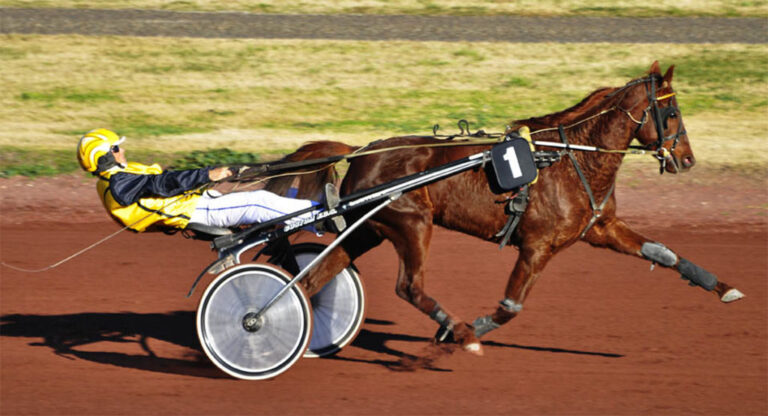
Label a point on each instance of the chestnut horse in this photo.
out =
(559, 212)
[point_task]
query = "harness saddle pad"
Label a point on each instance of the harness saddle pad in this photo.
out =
(513, 164)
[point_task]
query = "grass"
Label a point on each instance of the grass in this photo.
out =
(17, 161)
(62, 94)
(634, 8)
(261, 96)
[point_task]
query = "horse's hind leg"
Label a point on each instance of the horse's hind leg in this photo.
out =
(615, 234)
(358, 243)
(411, 235)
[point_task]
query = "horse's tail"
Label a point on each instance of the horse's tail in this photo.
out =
(309, 182)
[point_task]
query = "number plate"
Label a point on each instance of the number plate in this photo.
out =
(513, 164)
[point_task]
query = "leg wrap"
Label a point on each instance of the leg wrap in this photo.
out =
(696, 275)
(484, 325)
(658, 253)
(510, 305)
(440, 317)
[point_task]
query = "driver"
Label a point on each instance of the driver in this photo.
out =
(142, 197)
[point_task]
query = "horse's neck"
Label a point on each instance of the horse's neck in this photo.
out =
(611, 130)
(598, 120)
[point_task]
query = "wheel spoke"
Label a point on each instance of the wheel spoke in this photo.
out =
(253, 351)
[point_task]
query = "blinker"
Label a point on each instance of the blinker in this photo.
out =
(666, 113)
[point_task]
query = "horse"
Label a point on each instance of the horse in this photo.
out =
(563, 205)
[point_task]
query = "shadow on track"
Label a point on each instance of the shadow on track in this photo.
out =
(64, 334)
(375, 341)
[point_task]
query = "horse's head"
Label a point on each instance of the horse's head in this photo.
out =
(660, 127)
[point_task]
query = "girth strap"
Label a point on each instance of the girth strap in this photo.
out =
(516, 208)
(597, 210)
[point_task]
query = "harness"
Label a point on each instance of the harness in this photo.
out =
(518, 204)
(597, 209)
(515, 209)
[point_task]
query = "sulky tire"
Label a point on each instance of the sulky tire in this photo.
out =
(241, 346)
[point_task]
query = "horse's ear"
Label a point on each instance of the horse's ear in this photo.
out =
(668, 74)
(655, 68)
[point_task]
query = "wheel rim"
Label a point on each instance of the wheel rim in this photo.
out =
(241, 345)
(337, 309)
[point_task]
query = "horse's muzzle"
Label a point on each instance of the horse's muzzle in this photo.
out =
(681, 164)
(687, 162)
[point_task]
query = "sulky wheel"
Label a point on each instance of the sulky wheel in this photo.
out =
(245, 347)
(338, 310)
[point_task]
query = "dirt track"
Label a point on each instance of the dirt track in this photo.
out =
(112, 333)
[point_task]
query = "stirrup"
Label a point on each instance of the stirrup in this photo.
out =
(204, 232)
(331, 196)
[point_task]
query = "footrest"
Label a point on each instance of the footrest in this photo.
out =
(206, 232)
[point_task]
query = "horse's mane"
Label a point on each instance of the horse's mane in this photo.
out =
(598, 100)
(583, 109)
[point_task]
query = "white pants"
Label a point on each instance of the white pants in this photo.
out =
(244, 208)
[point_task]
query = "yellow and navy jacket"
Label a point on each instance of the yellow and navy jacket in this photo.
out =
(141, 196)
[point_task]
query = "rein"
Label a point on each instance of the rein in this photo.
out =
(472, 139)
(478, 138)
(107, 238)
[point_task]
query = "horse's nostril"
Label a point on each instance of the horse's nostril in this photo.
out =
(688, 161)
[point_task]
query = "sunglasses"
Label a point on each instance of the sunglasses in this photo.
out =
(115, 149)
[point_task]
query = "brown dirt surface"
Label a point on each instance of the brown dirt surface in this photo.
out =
(111, 331)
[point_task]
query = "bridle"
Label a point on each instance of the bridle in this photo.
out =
(660, 118)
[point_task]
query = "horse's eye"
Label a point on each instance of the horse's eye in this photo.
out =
(673, 115)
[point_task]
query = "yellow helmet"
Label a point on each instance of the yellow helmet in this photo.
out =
(94, 145)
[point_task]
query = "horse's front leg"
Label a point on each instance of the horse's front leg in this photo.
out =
(530, 263)
(616, 234)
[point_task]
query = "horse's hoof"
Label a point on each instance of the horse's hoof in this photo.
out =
(474, 348)
(731, 296)
(465, 336)
(444, 335)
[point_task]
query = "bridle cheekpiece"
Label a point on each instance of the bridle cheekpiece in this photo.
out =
(660, 118)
